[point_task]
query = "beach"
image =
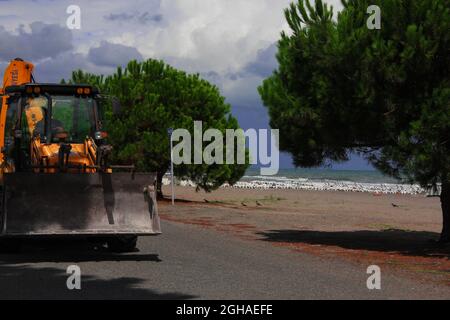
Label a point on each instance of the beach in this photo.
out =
(323, 180)
(394, 231)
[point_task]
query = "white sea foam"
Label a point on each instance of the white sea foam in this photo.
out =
(267, 183)
(329, 185)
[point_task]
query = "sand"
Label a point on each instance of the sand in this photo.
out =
(393, 231)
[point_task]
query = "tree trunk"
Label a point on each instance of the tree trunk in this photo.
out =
(445, 203)
(159, 193)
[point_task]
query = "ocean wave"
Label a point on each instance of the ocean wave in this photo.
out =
(348, 186)
(275, 178)
(326, 185)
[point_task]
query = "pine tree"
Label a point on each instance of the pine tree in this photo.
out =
(156, 97)
(385, 94)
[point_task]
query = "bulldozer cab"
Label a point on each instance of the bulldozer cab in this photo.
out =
(56, 177)
(72, 118)
(37, 125)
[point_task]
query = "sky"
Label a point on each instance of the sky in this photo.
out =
(231, 43)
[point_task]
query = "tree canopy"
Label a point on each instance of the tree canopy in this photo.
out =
(341, 87)
(156, 97)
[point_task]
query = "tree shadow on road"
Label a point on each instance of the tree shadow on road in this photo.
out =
(26, 275)
(414, 243)
(33, 282)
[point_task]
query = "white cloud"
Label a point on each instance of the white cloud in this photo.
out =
(223, 37)
(220, 35)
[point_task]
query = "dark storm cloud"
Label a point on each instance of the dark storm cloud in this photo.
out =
(113, 55)
(53, 70)
(43, 41)
(142, 18)
(263, 66)
(265, 62)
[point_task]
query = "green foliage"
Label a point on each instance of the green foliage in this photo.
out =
(385, 94)
(156, 97)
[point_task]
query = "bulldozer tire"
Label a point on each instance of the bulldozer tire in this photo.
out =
(122, 243)
(10, 245)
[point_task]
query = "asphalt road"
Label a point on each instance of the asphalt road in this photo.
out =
(189, 262)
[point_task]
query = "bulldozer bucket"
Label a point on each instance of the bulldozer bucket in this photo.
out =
(79, 204)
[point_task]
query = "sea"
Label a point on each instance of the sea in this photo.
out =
(321, 175)
(329, 180)
(324, 180)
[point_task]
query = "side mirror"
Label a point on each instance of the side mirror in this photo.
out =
(100, 135)
(18, 134)
(116, 106)
(9, 144)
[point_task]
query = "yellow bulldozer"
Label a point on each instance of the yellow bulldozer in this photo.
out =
(55, 175)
